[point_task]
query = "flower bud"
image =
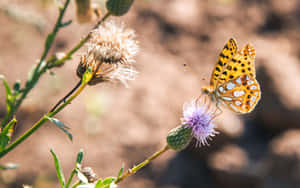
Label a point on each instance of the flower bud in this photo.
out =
(179, 137)
(118, 7)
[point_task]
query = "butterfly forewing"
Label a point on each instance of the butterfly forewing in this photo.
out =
(241, 63)
(228, 51)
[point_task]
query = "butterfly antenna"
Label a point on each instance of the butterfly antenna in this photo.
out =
(187, 67)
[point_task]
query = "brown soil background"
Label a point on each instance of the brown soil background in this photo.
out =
(115, 125)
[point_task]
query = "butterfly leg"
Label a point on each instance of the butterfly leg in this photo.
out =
(218, 111)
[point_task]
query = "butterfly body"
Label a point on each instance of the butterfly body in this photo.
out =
(233, 80)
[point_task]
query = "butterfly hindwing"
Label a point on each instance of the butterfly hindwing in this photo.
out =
(241, 94)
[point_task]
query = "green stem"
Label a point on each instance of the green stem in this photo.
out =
(38, 73)
(76, 184)
(42, 121)
(142, 164)
(81, 43)
(70, 178)
(54, 32)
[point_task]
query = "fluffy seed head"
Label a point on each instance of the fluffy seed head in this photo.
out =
(110, 52)
(199, 115)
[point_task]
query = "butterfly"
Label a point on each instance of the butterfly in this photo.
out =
(233, 80)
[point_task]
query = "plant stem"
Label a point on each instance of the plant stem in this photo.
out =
(65, 97)
(133, 170)
(42, 121)
(70, 178)
(76, 184)
(38, 72)
(81, 42)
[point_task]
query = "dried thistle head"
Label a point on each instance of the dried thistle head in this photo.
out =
(110, 52)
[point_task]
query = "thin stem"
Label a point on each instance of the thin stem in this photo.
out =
(81, 42)
(57, 26)
(76, 184)
(41, 122)
(38, 73)
(65, 97)
(133, 170)
(70, 178)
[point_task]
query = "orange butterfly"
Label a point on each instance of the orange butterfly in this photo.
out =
(233, 80)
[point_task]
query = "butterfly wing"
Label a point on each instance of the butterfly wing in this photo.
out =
(242, 63)
(226, 54)
(240, 94)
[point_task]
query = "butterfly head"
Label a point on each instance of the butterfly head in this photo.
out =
(208, 90)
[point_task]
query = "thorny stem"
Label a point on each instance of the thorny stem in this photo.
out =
(38, 72)
(42, 121)
(133, 170)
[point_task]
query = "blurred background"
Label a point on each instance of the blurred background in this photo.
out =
(115, 125)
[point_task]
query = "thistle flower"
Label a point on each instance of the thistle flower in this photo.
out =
(110, 52)
(199, 115)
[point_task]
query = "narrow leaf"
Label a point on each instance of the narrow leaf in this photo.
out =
(9, 96)
(105, 183)
(8, 127)
(5, 135)
(98, 184)
(79, 157)
(4, 139)
(121, 171)
(58, 168)
(61, 125)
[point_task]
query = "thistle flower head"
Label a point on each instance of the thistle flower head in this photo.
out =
(110, 52)
(199, 115)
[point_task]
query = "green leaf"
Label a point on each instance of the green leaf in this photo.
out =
(65, 24)
(8, 126)
(105, 183)
(121, 171)
(4, 135)
(79, 157)
(98, 183)
(9, 166)
(4, 139)
(61, 125)
(9, 95)
(58, 168)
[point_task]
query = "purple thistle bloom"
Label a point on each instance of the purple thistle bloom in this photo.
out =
(199, 115)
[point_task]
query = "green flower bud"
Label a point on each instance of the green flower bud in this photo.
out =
(118, 7)
(179, 137)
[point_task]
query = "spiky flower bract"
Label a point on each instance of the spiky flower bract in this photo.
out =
(110, 52)
(199, 114)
